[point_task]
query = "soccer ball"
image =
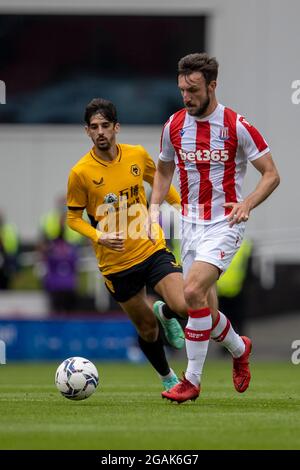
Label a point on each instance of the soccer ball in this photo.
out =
(76, 378)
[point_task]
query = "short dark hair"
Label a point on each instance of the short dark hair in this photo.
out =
(199, 62)
(101, 106)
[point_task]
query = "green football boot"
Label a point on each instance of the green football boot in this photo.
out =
(170, 382)
(172, 329)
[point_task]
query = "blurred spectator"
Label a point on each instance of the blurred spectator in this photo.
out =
(53, 224)
(60, 280)
(59, 252)
(230, 287)
(9, 247)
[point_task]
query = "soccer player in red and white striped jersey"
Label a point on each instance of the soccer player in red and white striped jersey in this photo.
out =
(210, 146)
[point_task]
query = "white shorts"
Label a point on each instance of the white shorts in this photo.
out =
(214, 243)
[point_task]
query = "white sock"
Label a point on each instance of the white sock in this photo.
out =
(197, 334)
(223, 333)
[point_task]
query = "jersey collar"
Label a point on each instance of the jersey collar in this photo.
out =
(105, 162)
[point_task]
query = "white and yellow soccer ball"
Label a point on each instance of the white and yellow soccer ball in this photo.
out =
(76, 378)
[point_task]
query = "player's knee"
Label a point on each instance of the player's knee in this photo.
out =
(194, 294)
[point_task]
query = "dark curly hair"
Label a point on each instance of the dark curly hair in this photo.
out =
(101, 106)
(199, 62)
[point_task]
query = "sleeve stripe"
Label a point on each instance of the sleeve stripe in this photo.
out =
(260, 154)
(256, 136)
(75, 208)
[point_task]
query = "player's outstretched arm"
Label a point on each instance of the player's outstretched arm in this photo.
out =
(268, 182)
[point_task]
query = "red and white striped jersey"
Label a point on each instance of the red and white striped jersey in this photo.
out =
(211, 156)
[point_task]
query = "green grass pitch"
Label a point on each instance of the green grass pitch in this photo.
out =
(127, 412)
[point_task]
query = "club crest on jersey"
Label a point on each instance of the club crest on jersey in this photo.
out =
(110, 198)
(224, 133)
(135, 170)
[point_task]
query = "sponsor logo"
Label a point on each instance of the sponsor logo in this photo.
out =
(100, 182)
(135, 170)
(246, 123)
(222, 254)
(194, 335)
(110, 198)
(224, 133)
(204, 156)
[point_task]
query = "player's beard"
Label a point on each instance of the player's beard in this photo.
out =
(198, 112)
(103, 144)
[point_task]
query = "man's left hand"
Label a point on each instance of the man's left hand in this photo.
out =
(240, 212)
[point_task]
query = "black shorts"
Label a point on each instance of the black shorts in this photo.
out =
(128, 283)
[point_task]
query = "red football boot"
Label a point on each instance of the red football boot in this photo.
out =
(183, 391)
(241, 372)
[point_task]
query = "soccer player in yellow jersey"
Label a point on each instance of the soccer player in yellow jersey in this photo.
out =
(108, 183)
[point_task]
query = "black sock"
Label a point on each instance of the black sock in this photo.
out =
(168, 313)
(155, 354)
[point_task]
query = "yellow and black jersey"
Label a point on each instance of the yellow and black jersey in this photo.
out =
(114, 191)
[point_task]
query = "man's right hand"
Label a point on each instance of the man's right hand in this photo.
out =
(114, 240)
